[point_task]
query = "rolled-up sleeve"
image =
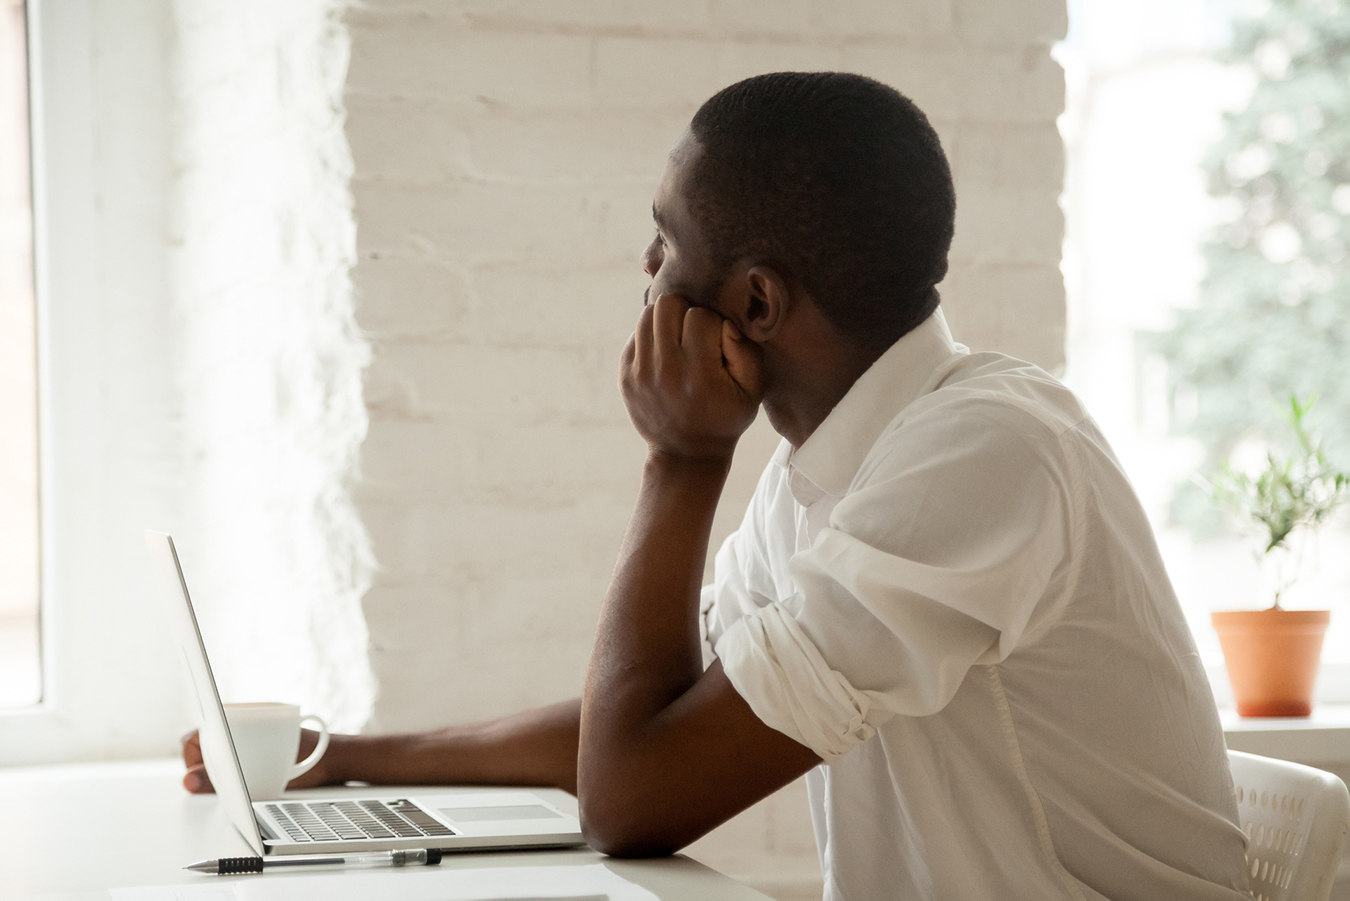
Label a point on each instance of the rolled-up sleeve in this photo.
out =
(781, 674)
(707, 599)
(938, 557)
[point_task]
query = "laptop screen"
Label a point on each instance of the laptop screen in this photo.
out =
(217, 747)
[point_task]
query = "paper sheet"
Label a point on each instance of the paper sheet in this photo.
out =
(221, 892)
(592, 882)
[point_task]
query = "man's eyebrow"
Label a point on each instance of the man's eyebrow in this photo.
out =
(657, 217)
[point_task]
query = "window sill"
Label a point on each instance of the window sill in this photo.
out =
(1323, 738)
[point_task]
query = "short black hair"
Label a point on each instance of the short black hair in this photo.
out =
(838, 181)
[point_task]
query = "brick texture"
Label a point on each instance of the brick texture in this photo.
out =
(268, 361)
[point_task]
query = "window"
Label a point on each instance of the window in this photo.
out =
(129, 246)
(20, 669)
(1146, 132)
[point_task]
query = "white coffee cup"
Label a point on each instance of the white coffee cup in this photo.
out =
(266, 739)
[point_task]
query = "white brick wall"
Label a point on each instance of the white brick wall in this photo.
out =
(505, 155)
(268, 358)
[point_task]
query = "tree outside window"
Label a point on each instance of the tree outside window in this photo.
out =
(1273, 318)
(1208, 150)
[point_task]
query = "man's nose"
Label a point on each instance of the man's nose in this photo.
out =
(651, 259)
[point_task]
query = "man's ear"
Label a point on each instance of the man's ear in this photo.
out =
(756, 300)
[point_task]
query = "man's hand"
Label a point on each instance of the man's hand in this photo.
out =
(197, 781)
(536, 747)
(690, 380)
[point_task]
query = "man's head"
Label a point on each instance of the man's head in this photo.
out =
(835, 182)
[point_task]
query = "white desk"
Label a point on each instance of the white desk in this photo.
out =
(72, 832)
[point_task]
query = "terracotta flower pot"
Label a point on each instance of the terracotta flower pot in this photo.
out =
(1272, 658)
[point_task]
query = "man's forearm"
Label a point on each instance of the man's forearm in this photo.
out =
(647, 652)
(537, 747)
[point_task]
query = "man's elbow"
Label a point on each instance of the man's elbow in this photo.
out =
(622, 828)
(623, 844)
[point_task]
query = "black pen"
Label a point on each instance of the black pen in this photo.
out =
(226, 866)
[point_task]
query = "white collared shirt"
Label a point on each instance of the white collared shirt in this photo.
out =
(951, 594)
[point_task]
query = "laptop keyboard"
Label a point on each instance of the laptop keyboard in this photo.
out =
(330, 821)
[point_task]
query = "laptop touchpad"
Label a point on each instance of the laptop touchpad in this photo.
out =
(497, 814)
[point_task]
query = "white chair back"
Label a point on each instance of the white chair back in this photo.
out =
(1295, 818)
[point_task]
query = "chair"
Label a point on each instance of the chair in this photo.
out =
(1295, 818)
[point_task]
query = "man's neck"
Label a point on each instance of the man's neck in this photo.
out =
(803, 387)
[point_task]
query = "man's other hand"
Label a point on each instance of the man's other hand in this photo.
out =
(690, 380)
(198, 782)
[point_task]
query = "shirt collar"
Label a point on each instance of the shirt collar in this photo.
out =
(830, 458)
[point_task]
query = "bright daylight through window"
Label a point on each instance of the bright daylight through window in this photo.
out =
(20, 670)
(1208, 215)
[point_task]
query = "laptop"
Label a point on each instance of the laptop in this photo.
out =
(377, 820)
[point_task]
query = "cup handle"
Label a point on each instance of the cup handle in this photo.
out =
(307, 764)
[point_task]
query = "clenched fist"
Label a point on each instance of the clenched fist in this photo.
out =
(690, 380)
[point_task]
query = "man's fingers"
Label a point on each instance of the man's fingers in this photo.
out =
(629, 352)
(742, 356)
(701, 334)
(668, 325)
(642, 341)
(192, 748)
(683, 393)
(196, 781)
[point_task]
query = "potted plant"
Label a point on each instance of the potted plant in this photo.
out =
(1272, 654)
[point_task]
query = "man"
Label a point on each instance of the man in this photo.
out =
(944, 605)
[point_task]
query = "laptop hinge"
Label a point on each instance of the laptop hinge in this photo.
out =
(266, 830)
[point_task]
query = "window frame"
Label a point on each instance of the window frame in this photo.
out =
(111, 686)
(25, 6)
(44, 731)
